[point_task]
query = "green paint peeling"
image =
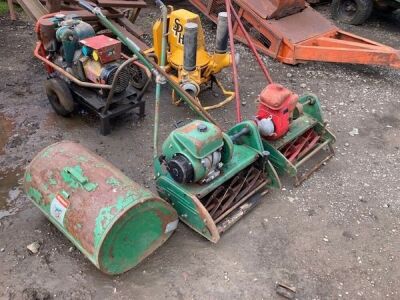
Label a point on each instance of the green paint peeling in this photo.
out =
(82, 158)
(100, 165)
(47, 152)
(113, 181)
(52, 181)
(75, 178)
(107, 214)
(35, 195)
(65, 194)
(28, 177)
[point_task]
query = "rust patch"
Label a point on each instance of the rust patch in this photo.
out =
(204, 214)
(85, 206)
(188, 128)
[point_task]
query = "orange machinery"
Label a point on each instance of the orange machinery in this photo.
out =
(293, 32)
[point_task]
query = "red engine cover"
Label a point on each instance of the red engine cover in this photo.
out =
(277, 103)
(108, 49)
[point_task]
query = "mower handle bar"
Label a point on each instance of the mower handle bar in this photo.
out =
(238, 135)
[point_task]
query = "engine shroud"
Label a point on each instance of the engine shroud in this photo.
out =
(277, 103)
(190, 151)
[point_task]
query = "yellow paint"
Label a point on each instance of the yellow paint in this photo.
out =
(95, 55)
(207, 64)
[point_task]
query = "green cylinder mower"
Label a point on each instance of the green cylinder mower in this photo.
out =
(213, 178)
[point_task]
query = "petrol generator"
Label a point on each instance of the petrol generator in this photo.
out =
(88, 69)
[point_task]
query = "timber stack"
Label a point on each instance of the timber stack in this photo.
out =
(122, 13)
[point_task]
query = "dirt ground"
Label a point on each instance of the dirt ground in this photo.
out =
(336, 236)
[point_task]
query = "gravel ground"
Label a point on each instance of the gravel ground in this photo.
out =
(336, 236)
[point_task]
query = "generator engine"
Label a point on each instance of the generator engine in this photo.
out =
(195, 153)
(73, 45)
(100, 61)
(275, 111)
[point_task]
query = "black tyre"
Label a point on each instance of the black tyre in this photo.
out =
(60, 96)
(353, 12)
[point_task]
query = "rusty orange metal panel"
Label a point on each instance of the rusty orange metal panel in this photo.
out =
(301, 26)
(274, 9)
(346, 55)
(301, 36)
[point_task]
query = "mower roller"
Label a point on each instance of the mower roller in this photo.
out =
(113, 221)
(293, 32)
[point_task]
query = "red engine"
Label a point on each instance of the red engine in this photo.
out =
(275, 110)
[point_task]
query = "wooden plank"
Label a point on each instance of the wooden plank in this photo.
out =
(130, 27)
(119, 3)
(138, 42)
(88, 16)
(11, 9)
(33, 8)
(53, 5)
(70, 7)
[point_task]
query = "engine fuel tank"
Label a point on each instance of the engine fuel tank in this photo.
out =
(113, 221)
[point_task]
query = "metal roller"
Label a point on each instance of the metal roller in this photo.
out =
(113, 221)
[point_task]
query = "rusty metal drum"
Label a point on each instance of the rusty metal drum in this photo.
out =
(113, 221)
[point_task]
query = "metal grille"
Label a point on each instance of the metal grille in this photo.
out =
(255, 34)
(122, 80)
(217, 7)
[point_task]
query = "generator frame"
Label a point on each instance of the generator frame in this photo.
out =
(100, 98)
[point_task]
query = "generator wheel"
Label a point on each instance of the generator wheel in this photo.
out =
(353, 12)
(60, 96)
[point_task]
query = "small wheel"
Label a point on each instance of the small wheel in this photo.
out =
(60, 96)
(138, 76)
(353, 12)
